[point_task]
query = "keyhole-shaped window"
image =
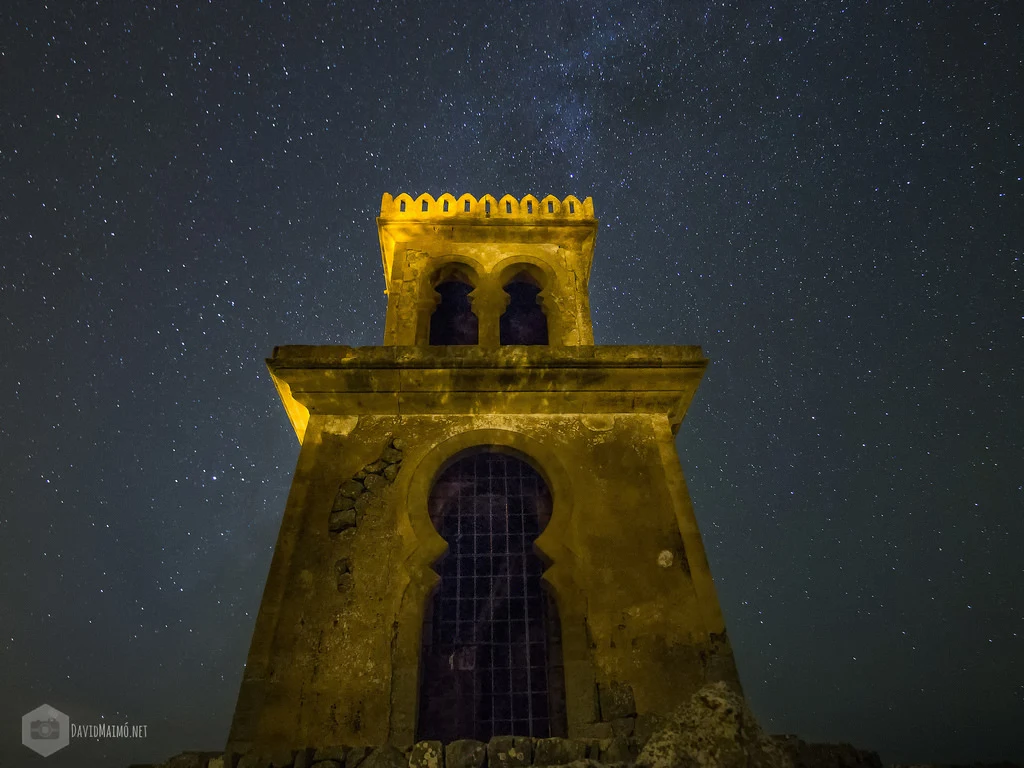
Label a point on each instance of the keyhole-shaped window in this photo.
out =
(491, 662)
(453, 322)
(524, 321)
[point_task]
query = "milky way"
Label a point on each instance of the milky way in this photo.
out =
(827, 197)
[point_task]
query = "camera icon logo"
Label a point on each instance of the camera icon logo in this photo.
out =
(45, 730)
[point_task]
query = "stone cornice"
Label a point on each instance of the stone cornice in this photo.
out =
(350, 381)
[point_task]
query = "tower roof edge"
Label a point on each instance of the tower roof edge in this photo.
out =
(523, 210)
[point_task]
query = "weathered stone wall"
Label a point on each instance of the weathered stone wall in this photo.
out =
(335, 655)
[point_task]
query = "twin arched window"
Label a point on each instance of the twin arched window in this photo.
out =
(455, 322)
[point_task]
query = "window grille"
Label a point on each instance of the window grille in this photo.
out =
(491, 642)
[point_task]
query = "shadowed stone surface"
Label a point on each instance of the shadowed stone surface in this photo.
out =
(330, 753)
(385, 757)
(355, 756)
(465, 753)
(555, 751)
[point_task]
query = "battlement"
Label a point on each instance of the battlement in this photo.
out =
(528, 209)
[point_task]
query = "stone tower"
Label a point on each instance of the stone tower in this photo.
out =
(488, 531)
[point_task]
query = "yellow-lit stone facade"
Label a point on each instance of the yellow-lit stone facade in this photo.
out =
(336, 656)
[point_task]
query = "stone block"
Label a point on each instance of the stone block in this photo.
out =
(391, 455)
(337, 754)
(465, 753)
(617, 750)
(646, 725)
(254, 760)
(304, 758)
(398, 444)
(351, 488)
(374, 468)
(509, 751)
(341, 503)
(341, 520)
(385, 757)
(623, 726)
(356, 756)
(427, 754)
(363, 503)
(558, 751)
(391, 472)
(373, 481)
(616, 701)
(597, 731)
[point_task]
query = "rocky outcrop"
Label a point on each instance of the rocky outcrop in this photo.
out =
(715, 729)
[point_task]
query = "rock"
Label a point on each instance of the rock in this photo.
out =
(359, 475)
(646, 725)
(509, 751)
(342, 503)
(362, 503)
(623, 726)
(374, 468)
(339, 521)
(328, 764)
(303, 758)
(254, 760)
(337, 754)
(616, 701)
(427, 754)
(391, 456)
(465, 753)
(558, 751)
(356, 756)
(617, 750)
(714, 730)
(398, 444)
(385, 757)
(373, 481)
(391, 472)
(806, 755)
(351, 489)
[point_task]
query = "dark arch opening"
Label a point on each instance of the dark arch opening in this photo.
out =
(453, 322)
(524, 321)
(491, 662)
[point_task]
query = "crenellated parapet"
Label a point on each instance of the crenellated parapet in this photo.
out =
(524, 210)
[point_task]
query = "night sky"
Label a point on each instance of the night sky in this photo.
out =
(826, 197)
